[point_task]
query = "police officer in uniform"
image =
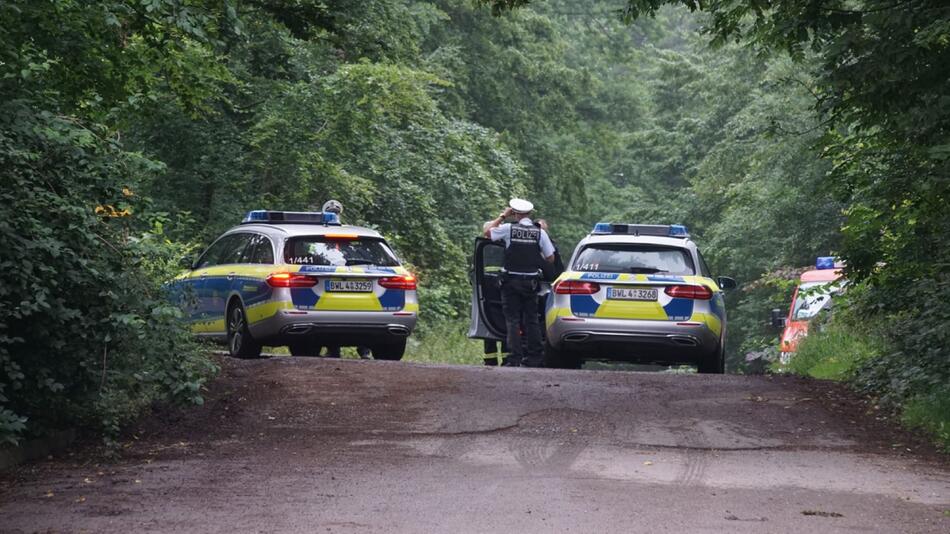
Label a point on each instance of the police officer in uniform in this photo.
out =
(333, 351)
(526, 247)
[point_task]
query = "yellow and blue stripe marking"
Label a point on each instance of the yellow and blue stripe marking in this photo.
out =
(665, 308)
(212, 291)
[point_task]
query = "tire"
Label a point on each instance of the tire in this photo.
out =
(557, 359)
(240, 342)
(714, 364)
(392, 350)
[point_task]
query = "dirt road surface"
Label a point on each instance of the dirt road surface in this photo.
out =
(313, 445)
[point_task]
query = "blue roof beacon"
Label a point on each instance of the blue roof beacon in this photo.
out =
(825, 262)
(325, 218)
(658, 230)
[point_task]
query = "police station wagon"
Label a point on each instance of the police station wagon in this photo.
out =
(302, 280)
(632, 292)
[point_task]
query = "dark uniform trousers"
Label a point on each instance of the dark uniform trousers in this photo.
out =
(519, 300)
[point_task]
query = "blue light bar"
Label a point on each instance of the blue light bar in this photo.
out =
(657, 230)
(603, 228)
(255, 216)
(678, 230)
(825, 262)
(291, 217)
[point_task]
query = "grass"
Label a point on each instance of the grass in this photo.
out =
(445, 342)
(930, 413)
(832, 354)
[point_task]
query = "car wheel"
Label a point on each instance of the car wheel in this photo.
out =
(715, 363)
(558, 359)
(240, 342)
(392, 350)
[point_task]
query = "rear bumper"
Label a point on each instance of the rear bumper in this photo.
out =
(633, 340)
(336, 327)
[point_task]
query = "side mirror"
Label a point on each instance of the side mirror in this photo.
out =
(726, 283)
(777, 318)
(187, 262)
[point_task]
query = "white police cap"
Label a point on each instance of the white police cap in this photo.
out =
(520, 205)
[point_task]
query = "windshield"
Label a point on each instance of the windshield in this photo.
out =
(320, 250)
(633, 258)
(812, 298)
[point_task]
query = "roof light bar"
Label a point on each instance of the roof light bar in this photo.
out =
(291, 217)
(658, 230)
(825, 262)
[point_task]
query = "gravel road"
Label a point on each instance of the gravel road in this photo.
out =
(314, 445)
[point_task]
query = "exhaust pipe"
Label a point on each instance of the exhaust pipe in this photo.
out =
(298, 329)
(401, 331)
(576, 338)
(686, 341)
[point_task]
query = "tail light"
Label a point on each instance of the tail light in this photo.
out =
(689, 292)
(290, 280)
(576, 287)
(405, 282)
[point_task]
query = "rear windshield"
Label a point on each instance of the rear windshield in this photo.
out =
(633, 258)
(321, 250)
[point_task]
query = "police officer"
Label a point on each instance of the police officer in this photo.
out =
(526, 247)
(333, 351)
(333, 206)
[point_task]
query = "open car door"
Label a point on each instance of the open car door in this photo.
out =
(488, 320)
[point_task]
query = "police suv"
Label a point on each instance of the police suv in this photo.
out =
(302, 280)
(631, 292)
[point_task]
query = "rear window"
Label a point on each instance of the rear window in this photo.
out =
(633, 258)
(321, 250)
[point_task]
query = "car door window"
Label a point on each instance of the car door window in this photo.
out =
(260, 250)
(215, 252)
(493, 259)
(234, 251)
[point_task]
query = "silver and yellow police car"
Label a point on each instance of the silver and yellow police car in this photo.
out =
(637, 293)
(301, 280)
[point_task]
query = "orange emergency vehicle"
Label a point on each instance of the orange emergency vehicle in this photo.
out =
(813, 294)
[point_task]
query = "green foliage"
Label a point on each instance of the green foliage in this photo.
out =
(445, 342)
(834, 352)
(86, 335)
(930, 412)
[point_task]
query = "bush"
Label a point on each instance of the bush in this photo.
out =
(87, 337)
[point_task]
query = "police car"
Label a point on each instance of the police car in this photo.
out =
(302, 280)
(632, 292)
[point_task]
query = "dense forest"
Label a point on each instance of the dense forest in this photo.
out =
(132, 132)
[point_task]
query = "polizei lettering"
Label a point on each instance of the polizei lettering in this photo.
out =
(525, 234)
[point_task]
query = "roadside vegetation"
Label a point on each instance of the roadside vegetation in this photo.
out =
(445, 342)
(846, 351)
(132, 132)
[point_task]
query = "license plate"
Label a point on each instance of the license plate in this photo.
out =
(631, 293)
(349, 286)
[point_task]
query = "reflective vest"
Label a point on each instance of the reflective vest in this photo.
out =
(523, 254)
